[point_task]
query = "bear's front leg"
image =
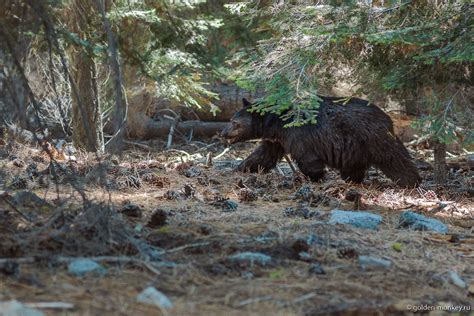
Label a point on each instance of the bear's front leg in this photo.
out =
(313, 168)
(354, 174)
(264, 158)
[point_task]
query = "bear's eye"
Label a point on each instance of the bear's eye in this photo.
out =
(235, 124)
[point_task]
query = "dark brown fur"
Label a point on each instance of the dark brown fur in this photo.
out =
(350, 138)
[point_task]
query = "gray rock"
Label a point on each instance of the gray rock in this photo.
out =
(470, 161)
(229, 206)
(252, 257)
(357, 219)
(420, 222)
(368, 261)
(457, 280)
(15, 308)
(152, 296)
(316, 268)
(82, 267)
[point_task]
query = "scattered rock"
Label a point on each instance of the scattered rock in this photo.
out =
(304, 256)
(457, 280)
(226, 205)
(470, 161)
(368, 261)
(316, 268)
(152, 296)
(419, 222)
(15, 308)
(82, 267)
(251, 258)
(158, 218)
(131, 210)
(230, 206)
(364, 220)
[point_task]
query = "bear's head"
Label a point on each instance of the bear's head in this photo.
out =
(243, 125)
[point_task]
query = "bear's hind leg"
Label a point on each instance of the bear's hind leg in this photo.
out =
(314, 169)
(354, 174)
(396, 163)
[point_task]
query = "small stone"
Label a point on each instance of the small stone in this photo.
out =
(364, 220)
(368, 261)
(470, 161)
(15, 308)
(304, 256)
(229, 206)
(152, 296)
(316, 268)
(252, 257)
(419, 222)
(82, 267)
(457, 280)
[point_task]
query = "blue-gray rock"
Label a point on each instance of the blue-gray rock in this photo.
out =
(457, 280)
(152, 296)
(252, 257)
(15, 308)
(368, 261)
(229, 206)
(316, 268)
(82, 267)
(357, 219)
(419, 222)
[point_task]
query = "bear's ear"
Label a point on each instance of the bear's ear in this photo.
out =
(246, 103)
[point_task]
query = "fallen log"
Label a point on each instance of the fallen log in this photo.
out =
(153, 129)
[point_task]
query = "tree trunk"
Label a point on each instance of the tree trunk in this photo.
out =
(86, 119)
(152, 129)
(440, 170)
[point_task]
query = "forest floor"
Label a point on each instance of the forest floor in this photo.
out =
(219, 242)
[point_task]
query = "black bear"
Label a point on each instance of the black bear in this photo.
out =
(349, 137)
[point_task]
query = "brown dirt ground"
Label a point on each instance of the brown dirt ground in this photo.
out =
(199, 238)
